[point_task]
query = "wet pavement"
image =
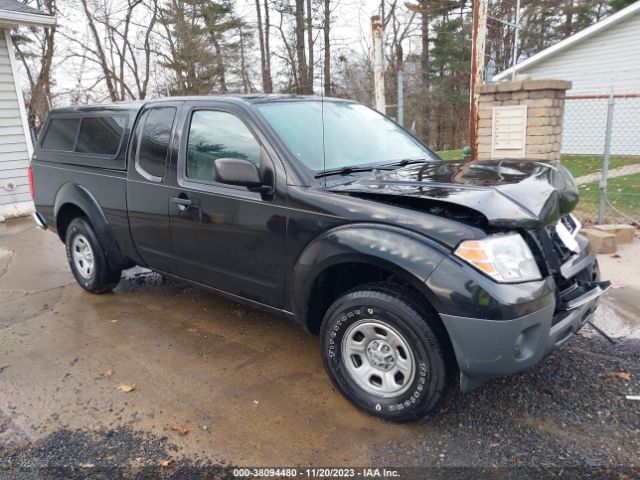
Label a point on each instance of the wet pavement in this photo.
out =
(223, 385)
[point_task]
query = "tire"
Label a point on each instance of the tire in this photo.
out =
(87, 258)
(386, 328)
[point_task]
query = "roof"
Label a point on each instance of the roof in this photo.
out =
(228, 98)
(13, 12)
(588, 32)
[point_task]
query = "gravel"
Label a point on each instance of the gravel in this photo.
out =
(564, 414)
(105, 454)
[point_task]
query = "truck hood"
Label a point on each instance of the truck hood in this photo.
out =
(508, 193)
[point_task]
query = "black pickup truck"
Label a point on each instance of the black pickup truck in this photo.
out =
(410, 268)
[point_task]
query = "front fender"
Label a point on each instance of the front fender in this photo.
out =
(407, 254)
(76, 195)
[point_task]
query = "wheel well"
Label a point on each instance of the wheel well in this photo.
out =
(66, 214)
(340, 278)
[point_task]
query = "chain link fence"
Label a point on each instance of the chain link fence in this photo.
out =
(601, 148)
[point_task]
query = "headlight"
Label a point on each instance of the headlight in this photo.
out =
(505, 258)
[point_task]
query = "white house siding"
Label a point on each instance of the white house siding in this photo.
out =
(608, 59)
(14, 153)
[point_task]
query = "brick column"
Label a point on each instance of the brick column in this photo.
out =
(545, 108)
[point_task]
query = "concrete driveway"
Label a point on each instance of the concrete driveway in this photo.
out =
(221, 384)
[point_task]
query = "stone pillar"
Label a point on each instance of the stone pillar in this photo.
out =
(541, 134)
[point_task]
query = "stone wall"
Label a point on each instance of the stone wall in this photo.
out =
(545, 108)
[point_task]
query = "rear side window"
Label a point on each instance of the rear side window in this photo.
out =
(154, 142)
(100, 135)
(97, 135)
(61, 134)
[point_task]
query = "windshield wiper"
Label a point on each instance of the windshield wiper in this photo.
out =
(352, 169)
(368, 168)
(407, 161)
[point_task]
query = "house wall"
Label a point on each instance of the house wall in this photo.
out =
(15, 148)
(592, 65)
(608, 59)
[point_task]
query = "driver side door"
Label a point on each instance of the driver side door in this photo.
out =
(223, 236)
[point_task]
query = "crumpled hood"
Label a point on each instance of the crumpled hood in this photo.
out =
(509, 193)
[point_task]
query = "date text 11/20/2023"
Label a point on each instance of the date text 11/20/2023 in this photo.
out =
(316, 472)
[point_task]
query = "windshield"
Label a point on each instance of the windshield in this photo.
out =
(353, 134)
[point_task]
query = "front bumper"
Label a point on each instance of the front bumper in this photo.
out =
(489, 348)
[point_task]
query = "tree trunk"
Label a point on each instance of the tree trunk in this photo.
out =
(267, 50)
(423, 132)
(221, 70)
(246, 87)
(300, 49)
(263, 55)
(309, 87)
(327, 48)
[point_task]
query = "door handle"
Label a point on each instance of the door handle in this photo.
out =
(182, 202)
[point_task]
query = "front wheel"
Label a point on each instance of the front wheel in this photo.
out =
(385, 351)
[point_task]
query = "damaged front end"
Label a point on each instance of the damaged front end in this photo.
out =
(502, 193)
(499, 325)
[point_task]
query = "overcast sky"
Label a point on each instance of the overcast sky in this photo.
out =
(350, 30)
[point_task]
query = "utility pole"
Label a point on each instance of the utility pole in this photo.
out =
(377, 56)
(477, 69)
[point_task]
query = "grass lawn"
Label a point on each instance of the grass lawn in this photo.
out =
(451, 154)
(578, 165)
(582, 164)
(623, 193)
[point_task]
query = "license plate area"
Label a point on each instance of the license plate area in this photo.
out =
(582, 292)
(566, 230)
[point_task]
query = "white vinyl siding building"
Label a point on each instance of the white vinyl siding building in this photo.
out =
(602, 59)
(15, 139)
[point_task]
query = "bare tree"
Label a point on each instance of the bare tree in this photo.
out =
(267, 47)
(326, 30)
(263, 40)
(310, 46)
(35, 49)
(288, 55)
(301, 56)
(122, 56)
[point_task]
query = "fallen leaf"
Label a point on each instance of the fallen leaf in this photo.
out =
(114, 321)
(626, 376)
(615, 255)
(106, 373)
(126, 387)
(166, 463)
(182, 431)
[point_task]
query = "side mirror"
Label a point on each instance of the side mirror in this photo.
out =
(236, 171)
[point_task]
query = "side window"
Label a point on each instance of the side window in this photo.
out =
(214, 135)
(100, 135)
(61, 134)
(154, 141)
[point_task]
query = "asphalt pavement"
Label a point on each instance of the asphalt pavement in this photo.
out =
(160, 378)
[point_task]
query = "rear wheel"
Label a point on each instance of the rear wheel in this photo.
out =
(87, 258)
(386, 352)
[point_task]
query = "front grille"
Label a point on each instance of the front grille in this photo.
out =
(553, 251)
